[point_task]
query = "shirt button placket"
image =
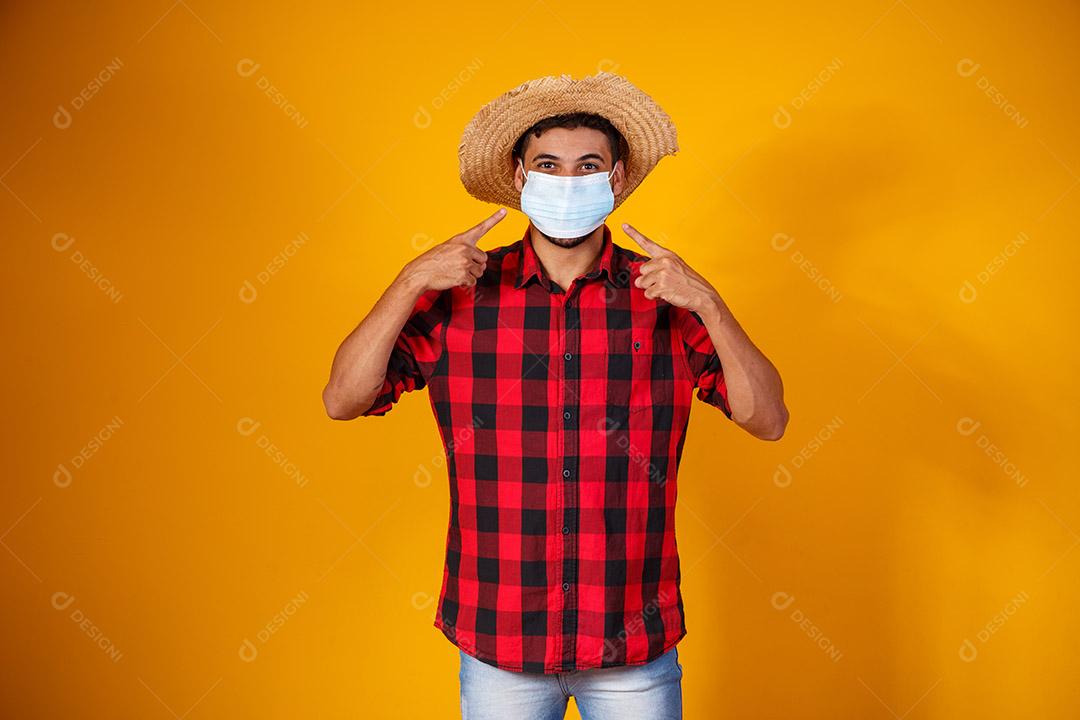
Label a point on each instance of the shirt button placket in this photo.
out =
(570, 452)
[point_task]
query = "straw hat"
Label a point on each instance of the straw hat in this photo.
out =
(484, 156)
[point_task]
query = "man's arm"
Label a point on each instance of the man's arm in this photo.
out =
(755, 392)
(359, 368)
(752, 386)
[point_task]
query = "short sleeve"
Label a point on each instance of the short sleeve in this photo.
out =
(416, 351)
(703, 361)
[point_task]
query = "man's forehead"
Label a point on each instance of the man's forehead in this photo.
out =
(569, 143)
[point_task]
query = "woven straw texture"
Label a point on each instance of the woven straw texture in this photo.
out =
(486, 167)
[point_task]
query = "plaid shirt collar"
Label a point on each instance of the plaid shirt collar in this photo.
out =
(615, 266)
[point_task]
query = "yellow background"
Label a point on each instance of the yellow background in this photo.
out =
(901, 244)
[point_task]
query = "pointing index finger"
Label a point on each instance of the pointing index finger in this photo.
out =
(473, 234)
(649, 246)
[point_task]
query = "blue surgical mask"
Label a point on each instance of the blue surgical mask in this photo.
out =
(567, 206)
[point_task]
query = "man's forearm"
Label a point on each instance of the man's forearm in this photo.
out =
(359, 367)
(754, 389)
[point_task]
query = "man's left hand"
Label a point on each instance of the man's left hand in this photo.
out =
(667, 276)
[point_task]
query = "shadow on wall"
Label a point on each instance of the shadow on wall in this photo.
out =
(882, 539)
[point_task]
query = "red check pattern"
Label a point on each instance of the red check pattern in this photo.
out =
(563, 414)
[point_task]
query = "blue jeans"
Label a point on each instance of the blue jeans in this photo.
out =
(652, 691)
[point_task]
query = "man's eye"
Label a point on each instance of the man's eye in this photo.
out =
(546, 162)
(589, 165)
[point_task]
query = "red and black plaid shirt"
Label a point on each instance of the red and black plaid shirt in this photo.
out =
(563, 415)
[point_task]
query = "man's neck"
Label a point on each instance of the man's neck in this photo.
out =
(563, 265)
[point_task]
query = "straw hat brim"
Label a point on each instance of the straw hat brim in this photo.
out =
(485, 162)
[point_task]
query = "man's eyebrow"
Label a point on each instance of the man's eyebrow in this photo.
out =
(549, 156)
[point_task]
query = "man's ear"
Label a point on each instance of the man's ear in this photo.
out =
(619, 178)
(519, 177)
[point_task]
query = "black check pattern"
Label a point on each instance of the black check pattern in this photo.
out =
(563, 414)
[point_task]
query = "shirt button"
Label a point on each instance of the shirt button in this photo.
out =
(566, 473)
(566, 415)
(565, 530)
(567, 356)
(565, 586)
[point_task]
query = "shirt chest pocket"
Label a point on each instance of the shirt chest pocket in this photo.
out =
(650, 370)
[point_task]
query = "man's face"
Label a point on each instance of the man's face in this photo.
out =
(565, 151)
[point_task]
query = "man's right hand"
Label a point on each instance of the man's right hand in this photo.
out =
(456, 261)
(360, 364)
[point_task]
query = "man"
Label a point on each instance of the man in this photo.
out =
(561, 370)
